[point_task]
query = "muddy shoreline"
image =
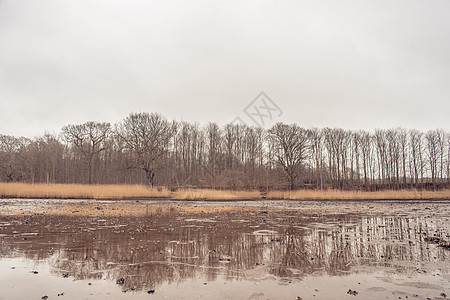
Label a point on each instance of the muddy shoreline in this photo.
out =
(268, 249)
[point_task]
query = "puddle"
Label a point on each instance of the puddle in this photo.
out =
(162, 250)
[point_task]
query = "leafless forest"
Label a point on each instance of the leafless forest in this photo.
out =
(148, 149)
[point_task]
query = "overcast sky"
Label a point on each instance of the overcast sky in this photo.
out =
(348, 64)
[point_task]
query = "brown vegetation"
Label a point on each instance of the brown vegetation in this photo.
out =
(79, 191)
(359, 195)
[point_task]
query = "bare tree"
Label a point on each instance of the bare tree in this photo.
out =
(214, 149)
(393, 158)
(365, 142)
(431, 138)
(316, 143)
(336, 145)
(441, 145)
(290, 145)
(417, 160)
(89, 139)
(403, 142)
(146, 137)
(44, 159)
(12, 165)
(254, 154)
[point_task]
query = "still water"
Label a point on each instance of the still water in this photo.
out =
(224, 250)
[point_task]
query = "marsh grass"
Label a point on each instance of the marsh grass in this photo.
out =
(203, 194)
(80, 191)
(359, 195)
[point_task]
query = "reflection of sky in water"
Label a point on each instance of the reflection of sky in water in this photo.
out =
(176, 246)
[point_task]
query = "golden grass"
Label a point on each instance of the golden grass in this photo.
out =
(359, 195)
(203, 194)
(79, 191)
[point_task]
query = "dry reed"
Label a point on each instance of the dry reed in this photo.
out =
(204, 194)
(359, 195)
(79, 191)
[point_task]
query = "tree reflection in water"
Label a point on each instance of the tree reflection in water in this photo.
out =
(252, 244)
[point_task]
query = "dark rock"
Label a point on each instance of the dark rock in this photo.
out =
(151, 292)
(350, 292)
(34, 272)
(120, 281)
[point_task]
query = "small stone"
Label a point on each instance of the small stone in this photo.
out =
(350, 292)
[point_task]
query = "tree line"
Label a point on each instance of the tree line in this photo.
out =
(146, 148)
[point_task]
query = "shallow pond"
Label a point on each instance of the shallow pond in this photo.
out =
(224, 250)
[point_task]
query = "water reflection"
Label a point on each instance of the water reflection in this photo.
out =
(171, 246)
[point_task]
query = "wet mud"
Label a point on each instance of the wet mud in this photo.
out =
(224, 250)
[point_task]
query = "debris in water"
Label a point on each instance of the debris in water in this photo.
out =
(350, 292)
